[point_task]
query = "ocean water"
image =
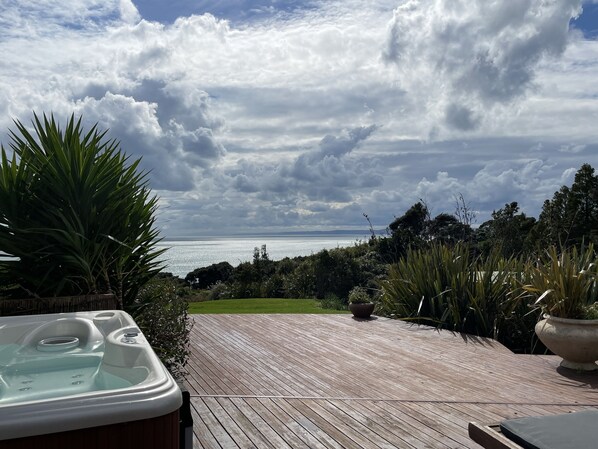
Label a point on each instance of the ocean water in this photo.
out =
(183, 256)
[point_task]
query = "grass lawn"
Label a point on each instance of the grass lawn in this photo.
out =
(260, 305)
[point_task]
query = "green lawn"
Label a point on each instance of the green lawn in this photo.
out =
(260, 305)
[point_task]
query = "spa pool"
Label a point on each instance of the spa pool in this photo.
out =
(85, 379)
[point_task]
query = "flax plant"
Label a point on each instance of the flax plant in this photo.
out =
(76, 215)
(448, 287)
(564, 284)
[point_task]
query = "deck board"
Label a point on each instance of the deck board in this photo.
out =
(330, 381)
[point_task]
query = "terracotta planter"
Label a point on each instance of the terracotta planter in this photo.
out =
(576, 341)
(362, 310)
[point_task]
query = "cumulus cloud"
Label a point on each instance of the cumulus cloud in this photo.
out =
(169, 149)
(497, 182)
(46, 18)
(128, 12)
(116, 70)
(325, 173)
(320, 187)
(241, 121)
(461, 58)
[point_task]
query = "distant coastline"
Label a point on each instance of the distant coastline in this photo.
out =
(183, 255)
(360, 233)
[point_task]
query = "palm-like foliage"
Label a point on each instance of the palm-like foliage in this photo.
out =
(564, 284)
(76, 216)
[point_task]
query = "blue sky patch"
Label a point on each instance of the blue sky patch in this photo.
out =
(587, 22)
(236, 11)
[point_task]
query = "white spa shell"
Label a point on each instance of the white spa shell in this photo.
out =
(146, 389)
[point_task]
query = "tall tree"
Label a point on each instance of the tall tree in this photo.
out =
(507, 229)
(571, 217)
(416, 229)
(447, 228)
(413, 221)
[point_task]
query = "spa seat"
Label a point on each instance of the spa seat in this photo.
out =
(566, 431)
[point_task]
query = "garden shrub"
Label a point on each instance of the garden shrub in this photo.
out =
(359, 295)
(447, 287)
(219, 290)
(300, 282)
(162, 316)
(273, 287)
(204, 277)
(335, 271)
(331, 301)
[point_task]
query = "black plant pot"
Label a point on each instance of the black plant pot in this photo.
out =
(363, 310)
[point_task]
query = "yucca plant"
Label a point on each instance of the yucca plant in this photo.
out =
(76, 215)
(448, 287)
(564, 284)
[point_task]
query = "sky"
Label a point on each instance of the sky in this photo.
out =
(270, 116)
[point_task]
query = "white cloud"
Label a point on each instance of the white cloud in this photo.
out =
(461, 58)
(128, 12)
(268, 123)
(169, 148)
(572, 148)
(325, 173)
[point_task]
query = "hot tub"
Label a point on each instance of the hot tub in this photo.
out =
(85, 379)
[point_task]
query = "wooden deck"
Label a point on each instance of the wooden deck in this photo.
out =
(330, 381)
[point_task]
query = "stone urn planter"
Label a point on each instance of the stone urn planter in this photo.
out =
(363, 310)
(576, 341)
(562, 284)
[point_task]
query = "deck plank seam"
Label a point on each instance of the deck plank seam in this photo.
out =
(414, 401)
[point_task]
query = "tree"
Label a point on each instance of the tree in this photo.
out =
(334, 272)
(408, 230)
(76, 216)
(446, 228)
(204, 277)
(507, 229)
(413, 221)
(262, 262)
(463, 211)
(416, 229)
(584, 203)
(571, 217)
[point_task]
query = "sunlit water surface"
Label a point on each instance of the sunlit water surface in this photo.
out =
(182, 257)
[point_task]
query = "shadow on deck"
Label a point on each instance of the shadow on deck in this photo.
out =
(328, 381)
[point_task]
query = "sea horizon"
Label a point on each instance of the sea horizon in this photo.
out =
(366, 233)
(184, 255)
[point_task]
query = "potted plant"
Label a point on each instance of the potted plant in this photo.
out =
(360, 303)
(564, 286)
